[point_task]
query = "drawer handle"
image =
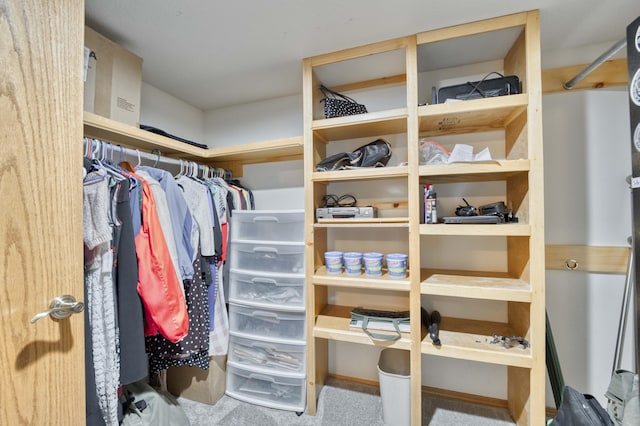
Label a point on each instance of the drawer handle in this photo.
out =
(266, 219)
(263, 281)
(261, 377)
(270, 250)
(267, 316)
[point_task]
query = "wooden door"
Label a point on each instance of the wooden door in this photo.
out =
(42, 364)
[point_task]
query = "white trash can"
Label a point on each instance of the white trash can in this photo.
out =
(395, 386)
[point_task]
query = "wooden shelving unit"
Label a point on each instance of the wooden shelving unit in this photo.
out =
(517, 283)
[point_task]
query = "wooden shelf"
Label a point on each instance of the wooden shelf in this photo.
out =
(333, 324)
(470, 340)
(364, 173)
(372, 124)
(478, 115)
(474, 172)
(362, 281)
(96, 126)
(259, 152)
(482, 230)
(475, 285)
(375, 222)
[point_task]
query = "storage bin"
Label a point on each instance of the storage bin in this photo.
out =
(277, 324)
(266, 256)
(395, 386)
(267, 225)
(258, 386)
(274, 355)
(266, 289)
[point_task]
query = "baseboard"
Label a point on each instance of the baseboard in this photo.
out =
(444, 393)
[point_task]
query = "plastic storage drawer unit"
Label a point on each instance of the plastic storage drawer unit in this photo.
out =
(255, 322)
(269, 290)
(277, 356)
(257, 386)
(267, 225)
(266, 256)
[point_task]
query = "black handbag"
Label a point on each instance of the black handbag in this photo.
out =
(373, 154)
(338, 105)
(485, 88)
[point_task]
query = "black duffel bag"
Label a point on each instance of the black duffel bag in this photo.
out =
(373, 154)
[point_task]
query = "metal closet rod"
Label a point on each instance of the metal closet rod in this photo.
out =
(595, 64)
(108, 151)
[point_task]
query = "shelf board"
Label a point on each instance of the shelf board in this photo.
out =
(372, 124)
(374, 222)
(470, 284)
(252, 153)
(363, 173)
(470, 340)
(96, 126)
(474, 172)
(477, 230)
(333, 324)
(477, 115)
(362, 281)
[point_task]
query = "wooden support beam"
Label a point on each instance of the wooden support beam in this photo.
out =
(599, 259)
(610, 74)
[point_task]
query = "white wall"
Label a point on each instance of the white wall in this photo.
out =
(587, 202)
(166, 112)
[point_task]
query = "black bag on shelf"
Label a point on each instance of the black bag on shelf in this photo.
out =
(485, 88)
(338, 105)
(373, 154)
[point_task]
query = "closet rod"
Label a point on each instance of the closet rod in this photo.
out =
(595, 64)
(113, 150)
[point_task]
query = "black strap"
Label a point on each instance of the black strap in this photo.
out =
(476, 87)
(328, 93)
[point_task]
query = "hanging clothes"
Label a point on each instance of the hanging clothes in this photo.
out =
(100, 294)
(193, 350)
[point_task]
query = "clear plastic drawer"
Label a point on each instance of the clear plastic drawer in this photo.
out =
(287, 258)
(266, 323)
(257, 386)
(266, 289)
(268, 225)
(278, 356)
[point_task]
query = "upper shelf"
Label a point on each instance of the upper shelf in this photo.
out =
(362, 125)
(258, 152)
(478, 115)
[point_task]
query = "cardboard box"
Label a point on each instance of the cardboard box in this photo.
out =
(113, 79)
(198, 385)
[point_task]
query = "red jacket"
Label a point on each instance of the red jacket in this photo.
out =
(165, 308)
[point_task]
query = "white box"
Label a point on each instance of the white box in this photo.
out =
(276, 324)
(265, 289)
(118, 80)
(268, 225)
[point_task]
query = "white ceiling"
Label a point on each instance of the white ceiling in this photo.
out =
(212, 54)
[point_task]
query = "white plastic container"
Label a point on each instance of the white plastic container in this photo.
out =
(267, 256)
(395, 386)
(275, 324)
(267, 225)
(333, 262)
(373, 264)
(267, 290)
(261, 387)
(275, 355)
